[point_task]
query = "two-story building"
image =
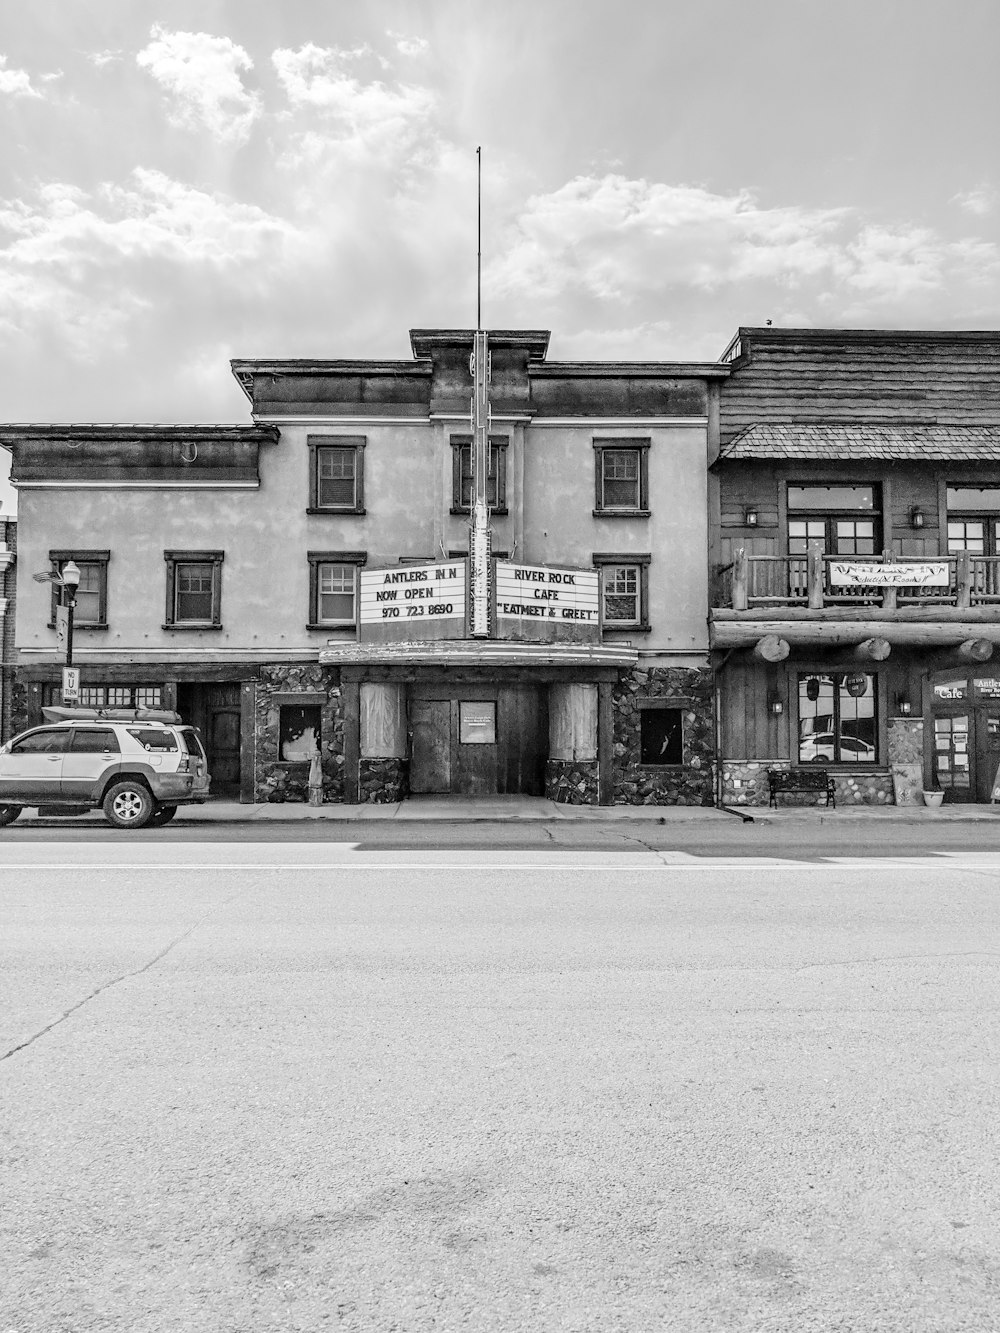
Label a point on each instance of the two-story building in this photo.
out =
(302, 582)
(856, 561)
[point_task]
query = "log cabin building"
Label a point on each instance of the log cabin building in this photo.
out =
(302, 584)
(855, 618)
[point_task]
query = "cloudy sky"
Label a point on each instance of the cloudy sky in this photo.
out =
(189, 181)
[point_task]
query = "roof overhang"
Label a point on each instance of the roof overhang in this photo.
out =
(864, 441)
(487, 653)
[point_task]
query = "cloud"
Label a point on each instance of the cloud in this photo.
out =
(616, 239)
(16, 82)
(87, 264)
(202, 74)
(364, 115)
(102, 58)
(979, 201)
(409, 46)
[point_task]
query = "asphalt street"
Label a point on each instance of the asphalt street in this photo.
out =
(294, 1085)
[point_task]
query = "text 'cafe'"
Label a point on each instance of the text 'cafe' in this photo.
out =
(430, 709)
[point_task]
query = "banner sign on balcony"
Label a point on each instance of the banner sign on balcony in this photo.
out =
(413, 602)
(534, 601)
(873, 574)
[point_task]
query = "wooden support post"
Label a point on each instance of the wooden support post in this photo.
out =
(350, 691)
(382, 720)
(873, 650)
(963, 581)
(888, 594)
(741, 579)
(771, 649)
(814, 577)
(975, 650)
(605, 744)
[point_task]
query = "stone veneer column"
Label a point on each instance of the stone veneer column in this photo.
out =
(382, 769)
(571, 774)
(906, 759)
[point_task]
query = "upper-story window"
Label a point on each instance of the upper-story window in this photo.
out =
(845, 520)
(973, 520)
(194, 589)
(333, 588)
(91, 601)
(461, 471)
(624, 589)
(621, 476)
(336, 474)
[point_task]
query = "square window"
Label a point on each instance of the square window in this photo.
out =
(621, 477)
(661, 736)
(838, 721)
(299, 730)
(624, 590)
(91, 598)
(336, 475)
(333, 588)
(194, 589)
(496, 480)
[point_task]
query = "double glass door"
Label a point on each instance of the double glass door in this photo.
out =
(965, 739)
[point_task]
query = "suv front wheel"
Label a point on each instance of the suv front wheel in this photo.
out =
(8, 813)
(128, 804)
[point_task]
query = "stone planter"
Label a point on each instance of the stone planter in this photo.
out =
(933, 799)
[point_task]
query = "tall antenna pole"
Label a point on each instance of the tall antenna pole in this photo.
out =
(480, 546)
(479, 238)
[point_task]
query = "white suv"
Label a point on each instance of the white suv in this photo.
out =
(137, 764)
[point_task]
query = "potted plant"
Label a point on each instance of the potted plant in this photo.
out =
(934, 798)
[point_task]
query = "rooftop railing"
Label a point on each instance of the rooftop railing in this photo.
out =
(816, 580)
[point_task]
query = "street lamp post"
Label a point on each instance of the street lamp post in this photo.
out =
(70, 576)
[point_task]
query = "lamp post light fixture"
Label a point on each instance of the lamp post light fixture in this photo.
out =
(70, 579)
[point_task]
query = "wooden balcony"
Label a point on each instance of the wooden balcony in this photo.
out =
(951, 602)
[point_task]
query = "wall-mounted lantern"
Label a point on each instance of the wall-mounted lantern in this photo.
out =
(750, 516)
(775, 704)
(916, 517)
(903, 706)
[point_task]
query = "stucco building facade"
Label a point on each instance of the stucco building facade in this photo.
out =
(235, 573)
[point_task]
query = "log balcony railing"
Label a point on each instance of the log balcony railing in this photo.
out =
(803, 581)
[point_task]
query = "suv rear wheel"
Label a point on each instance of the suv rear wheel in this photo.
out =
(8, 813)
(128, 804)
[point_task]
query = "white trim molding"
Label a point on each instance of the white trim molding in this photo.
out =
(137, 485)
(315, 419)
(614, 423)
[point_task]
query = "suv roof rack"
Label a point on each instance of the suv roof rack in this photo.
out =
(69, 713)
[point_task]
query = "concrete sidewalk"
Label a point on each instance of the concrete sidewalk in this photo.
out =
(529, 809)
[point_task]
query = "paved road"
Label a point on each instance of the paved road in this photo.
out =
(304, 1086)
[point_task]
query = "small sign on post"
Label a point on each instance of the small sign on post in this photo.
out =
(71, 685)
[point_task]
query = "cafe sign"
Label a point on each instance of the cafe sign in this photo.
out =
(540, 602)
(871, 573)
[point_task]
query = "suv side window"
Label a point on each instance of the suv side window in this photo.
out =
(41, 742)
(151, 738)
(93, 740)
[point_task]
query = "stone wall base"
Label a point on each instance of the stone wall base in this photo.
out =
(688, 783)
(744, 782)
(572, 781)
(383, 781)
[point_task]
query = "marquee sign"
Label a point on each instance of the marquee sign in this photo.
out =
(413, 602)
(870, 573)
(538, 602)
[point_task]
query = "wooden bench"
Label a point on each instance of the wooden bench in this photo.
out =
(800, 779)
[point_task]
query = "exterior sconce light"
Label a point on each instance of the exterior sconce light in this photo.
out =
(775, 704)
(903, 705)
(916, 517)
(750, 516)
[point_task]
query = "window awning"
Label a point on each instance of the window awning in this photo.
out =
(478, 652)
(861, 441)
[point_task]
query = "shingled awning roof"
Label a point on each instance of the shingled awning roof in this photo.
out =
(836, 443)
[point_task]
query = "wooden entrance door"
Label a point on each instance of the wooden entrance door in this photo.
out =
(522, 739)
(215, 710)
(987, 749)
(430, 753)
